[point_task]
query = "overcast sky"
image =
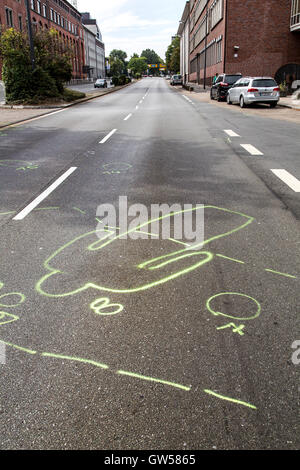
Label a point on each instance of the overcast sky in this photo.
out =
(134, 25)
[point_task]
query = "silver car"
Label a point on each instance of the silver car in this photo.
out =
(250, 90)
(176, 80)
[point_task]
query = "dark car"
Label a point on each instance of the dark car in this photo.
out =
(224, 82)
(100, 83)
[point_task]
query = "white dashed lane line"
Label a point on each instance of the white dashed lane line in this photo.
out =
(128, 117)
(45, 194)
(288, 179)
(108, 136)
(231, 133)
(251, 149)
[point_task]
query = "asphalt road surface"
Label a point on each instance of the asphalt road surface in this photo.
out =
(112, 343)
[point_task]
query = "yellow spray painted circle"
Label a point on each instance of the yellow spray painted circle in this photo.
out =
(256, 315)
(16, 294)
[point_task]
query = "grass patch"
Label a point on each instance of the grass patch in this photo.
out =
(72, 95)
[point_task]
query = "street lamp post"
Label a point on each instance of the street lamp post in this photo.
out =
(30, 35)
(205, 52)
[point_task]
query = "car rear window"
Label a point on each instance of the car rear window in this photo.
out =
(231, 79)
(265, 82)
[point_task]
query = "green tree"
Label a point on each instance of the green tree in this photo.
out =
(53, 66)
(116, 57)
(173, 55)
(138, 65)
(152, 58)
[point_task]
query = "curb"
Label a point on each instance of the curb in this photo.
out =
(57, 108)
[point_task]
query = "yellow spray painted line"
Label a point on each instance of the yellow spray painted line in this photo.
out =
(124, 373)
(233, 400)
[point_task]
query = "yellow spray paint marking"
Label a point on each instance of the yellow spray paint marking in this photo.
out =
(233, 400)
(123, 372)
(216, 313)
(7, 317)
(12, 294)
(281, 274)
(152, 379)
(236, 329)
(177, 255)
(102, 307)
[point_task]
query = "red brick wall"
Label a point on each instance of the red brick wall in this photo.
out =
(218, 30)
(17, 7)
(262, 30)
(75, 41)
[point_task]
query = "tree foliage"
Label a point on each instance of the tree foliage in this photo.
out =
(117, 61)
(52, 66)
(173, 55)
(137, 65)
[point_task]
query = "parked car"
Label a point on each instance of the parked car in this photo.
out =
(100, 83)
(168, 77)
(176, 80)
(250, 90)
(223, 84)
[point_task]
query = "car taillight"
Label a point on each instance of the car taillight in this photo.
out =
(276, 89)
(223, 84)
(252, 90)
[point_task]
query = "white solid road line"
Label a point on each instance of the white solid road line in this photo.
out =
(128, 117)
(190, 101)
(45, 194)
(231, 133)
(288, 179)
(108, 136)
(252, 150)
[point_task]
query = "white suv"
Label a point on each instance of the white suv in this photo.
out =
(250, 90)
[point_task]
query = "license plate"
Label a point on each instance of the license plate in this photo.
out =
(265, 94)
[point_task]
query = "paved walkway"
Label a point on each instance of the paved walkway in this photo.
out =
(12, 116)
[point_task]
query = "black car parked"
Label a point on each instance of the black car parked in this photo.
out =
(224, 82)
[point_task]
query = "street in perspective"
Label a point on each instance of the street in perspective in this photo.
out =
(149, 214)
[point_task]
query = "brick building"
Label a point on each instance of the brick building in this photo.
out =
(47, 14)
(252, 37)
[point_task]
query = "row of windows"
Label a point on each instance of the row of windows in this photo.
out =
(210, 20)
(214, 55)
(42, 10)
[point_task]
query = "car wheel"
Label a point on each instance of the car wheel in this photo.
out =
(228, 99)
(273, 105)
(242, 102)
(211, 95)
(219, 97)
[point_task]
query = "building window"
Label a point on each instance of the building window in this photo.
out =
(9, 17)
(20, 22)
(38, 6)
(216, 13)
(45, 11)
(32, 4)
(51, 14)
(295, 16)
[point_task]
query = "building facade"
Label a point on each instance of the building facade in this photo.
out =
(184, 34)
(94, 48)
(253, 37)
(49, 14)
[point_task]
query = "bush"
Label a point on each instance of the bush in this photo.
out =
(72, 95)
(122, 80)
(128, 80)
(138, 76)
(115, 80)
